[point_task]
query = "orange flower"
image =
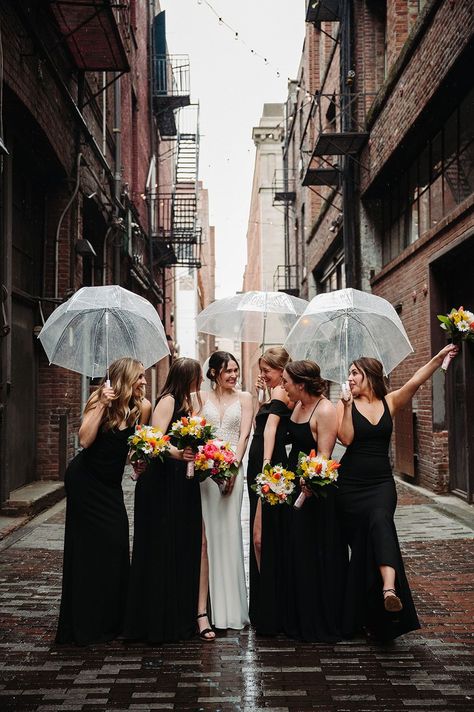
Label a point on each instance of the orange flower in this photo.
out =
(312, 453)
(318, 468)
(203, 421)
(185, 421)
(265, 488)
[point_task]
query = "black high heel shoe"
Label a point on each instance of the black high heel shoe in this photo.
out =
(204, 633)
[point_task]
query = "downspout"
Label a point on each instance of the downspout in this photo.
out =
(348, 175)
(117, 169)
(60, 222)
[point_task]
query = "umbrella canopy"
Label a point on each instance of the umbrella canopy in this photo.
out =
(338, 327)
(98, 325)
(260, 317)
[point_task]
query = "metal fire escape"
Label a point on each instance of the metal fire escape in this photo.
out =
(338, 130)
(285, 277)
(178, 241)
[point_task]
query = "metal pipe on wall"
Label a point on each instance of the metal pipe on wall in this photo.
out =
(117, 167)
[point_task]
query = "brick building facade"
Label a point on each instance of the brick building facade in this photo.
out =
(88, 122)
(381, 138)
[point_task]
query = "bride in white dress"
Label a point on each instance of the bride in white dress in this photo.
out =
(230, 411)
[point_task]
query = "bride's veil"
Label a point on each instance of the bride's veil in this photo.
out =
(206, 385)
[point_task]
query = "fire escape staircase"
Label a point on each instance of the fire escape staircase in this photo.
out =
(179, 239)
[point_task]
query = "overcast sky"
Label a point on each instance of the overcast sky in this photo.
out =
(231, 85)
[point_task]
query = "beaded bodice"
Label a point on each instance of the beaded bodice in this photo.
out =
(229, 428)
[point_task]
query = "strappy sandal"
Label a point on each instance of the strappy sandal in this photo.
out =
(391, 603)
(203, 634)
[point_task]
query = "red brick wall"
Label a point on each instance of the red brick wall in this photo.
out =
(405, 280)
(435, 53)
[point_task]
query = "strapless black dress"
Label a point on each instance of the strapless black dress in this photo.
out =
(96, 545)
(270, 514)
(319, 554)
(366, 501)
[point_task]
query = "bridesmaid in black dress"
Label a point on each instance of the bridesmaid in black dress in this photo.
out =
(267, 524)
(96, 547)
(378, 598)
(319, 556)
(164, 577)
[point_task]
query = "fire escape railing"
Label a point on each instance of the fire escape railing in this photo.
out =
(178, 240)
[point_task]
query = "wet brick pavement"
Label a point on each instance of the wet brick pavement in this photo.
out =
(432, 669)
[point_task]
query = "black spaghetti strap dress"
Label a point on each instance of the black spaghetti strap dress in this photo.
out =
(166, 559)
(366, 501)
(96, 545)
(267, 589)
(319, 553)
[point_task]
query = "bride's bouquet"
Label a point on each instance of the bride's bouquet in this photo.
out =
(146, 444)
(216, 460)
(459, 325)
(317, 471)
(275, 485)
(191, 432)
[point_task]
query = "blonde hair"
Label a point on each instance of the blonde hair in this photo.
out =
(125, 407)
(276, 357)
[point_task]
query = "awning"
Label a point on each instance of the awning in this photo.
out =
(92, 34)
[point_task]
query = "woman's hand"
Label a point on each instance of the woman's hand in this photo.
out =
(229, 486)
(304, 488)
(346, 396)
(107, 396)
(187, 454)
(450, 350)
(260, 384)
(139, 466)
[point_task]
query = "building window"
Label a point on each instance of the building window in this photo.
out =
(333, 276)
(440, 178)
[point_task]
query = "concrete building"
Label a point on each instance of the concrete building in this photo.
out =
(380, 134)
(88, 142)
(265, 243)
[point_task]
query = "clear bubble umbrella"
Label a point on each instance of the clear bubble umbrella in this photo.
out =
(98, 325)
(338, 327)
(259, 317)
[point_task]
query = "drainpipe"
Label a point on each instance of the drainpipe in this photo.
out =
(348, 174)
(60, 222)
(117, 168)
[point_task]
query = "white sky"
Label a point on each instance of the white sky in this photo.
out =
(231, 86)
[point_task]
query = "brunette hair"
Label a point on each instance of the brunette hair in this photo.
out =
(276, 357)
(309, 374)
(372, 369)
(184, 373)
(125, 407)
(217, 362)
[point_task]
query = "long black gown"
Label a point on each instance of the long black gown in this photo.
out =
(319, 553)
(96, 546)
(166, 559)
(366, 501)
(269, 585)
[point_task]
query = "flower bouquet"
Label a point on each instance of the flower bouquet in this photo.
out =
(275, 485)
(146, 443)
(216, 460)
(191, 432)
(317, 471)
(459, 325)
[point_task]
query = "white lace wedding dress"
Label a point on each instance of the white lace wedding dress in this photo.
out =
(221, 514)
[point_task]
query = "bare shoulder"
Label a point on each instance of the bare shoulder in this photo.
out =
(245, 397)
(145, 409)
(279, 393)
(166, 403)
(326, 406)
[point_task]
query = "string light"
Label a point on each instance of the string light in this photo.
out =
(237, 36)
